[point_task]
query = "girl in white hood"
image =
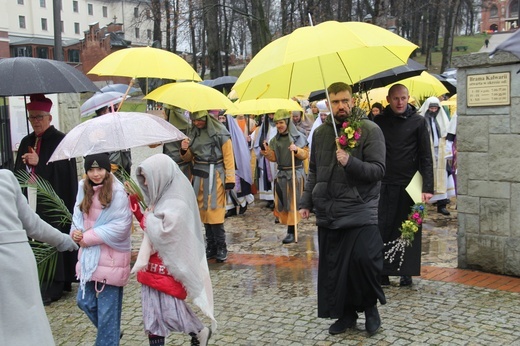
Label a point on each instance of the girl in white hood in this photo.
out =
(171, 264)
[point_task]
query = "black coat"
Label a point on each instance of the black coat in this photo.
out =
(408, 150)
(62, 175)
(345, 196)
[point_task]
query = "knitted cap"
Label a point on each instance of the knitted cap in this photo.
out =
(97, 161)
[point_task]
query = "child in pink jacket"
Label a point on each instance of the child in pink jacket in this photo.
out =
(102, 226)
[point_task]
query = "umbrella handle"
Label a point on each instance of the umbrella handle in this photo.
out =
(126, 94)
(295, 212)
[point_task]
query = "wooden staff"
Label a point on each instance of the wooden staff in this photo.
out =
(295, 212)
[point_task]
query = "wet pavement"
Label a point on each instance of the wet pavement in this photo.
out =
(265, 294)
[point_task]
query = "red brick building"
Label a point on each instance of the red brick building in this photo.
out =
(499, 15)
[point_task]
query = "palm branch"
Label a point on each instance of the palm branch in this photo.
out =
(132, 187)
(45, 254)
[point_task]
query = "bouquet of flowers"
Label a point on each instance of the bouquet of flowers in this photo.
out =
(408, 229)
(351, 131)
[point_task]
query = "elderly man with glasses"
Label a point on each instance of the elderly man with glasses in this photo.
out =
(33, 153)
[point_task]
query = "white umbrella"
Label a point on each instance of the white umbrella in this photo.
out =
(100, 100)
(113, 132)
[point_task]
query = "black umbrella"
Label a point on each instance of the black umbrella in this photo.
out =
(26, 76)
(449, 83)
(411, 69)
(223, 83)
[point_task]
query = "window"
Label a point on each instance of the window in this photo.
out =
(42, 3)
(21, 51)
(76, 28)
(75, 6)
(20, 2)
(62, 27)
(105, 12)
(42, 52)
(149, 34)
(493, 11)
(90, 9)
(136, 32)
(73, 55)
(44, 24)
(148, 15)
(21, 22)
(136, 12)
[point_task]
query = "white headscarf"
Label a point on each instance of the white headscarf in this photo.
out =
(442, 118)
(175, 229)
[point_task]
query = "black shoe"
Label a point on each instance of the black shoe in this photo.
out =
(67, 286)
(221, 253)
(405, 281)
(270, 205)
(289, 238)
(231, 212)
(344, 323)
(385, 280)
(442, 210)
(276, 220)
(372, 320)
(242, 210)
(211, 252)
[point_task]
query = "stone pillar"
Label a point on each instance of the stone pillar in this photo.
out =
(488, 180)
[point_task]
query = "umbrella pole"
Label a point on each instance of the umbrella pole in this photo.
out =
(295, 212)
(126, 94)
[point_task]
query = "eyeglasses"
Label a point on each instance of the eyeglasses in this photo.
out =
(36, 117)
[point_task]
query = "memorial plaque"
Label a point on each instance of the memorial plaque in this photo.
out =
(490, 89)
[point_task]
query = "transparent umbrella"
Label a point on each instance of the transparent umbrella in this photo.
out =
(113, 132)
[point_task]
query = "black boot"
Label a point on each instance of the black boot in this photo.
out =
(441, 207)
(372, 320)
(211, 245)
(289, 238)
(231, 212)
(220, 240)
(156, 340)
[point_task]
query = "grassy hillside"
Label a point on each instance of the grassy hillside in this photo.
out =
(474, 44)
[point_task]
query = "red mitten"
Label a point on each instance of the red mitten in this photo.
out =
(136, 209)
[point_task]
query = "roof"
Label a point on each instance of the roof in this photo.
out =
(38, 41)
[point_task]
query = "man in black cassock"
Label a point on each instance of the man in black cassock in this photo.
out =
(343, 189)
(408, 150)
(34, 152)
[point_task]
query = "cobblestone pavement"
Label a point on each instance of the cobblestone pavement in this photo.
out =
(265, 294)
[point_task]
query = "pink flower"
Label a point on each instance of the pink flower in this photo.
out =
(419, 221)
(357, 135)
(344, 125)
(343, 140)
(416, 216)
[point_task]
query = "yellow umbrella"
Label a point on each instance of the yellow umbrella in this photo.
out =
(190, 96)
(423, 86)
(145, 62)
(263, 106)
(311, 58)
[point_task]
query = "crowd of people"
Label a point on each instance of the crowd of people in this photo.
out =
(347, 166)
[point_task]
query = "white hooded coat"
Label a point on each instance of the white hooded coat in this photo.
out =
(174, 228)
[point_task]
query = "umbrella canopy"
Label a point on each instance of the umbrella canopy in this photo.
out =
(190, 96)
(113, 132)
(120, 88)
(145, 62)
(423, 86)
(411, 69)
(341, 52)
(263, 106)
(224, 83)
(511, 45)
(449, 83)
(24, 76)
(100, 100)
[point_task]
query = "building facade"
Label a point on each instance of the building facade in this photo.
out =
(499, 15)
(27, 26)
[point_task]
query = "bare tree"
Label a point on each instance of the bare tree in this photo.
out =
(452, 12)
